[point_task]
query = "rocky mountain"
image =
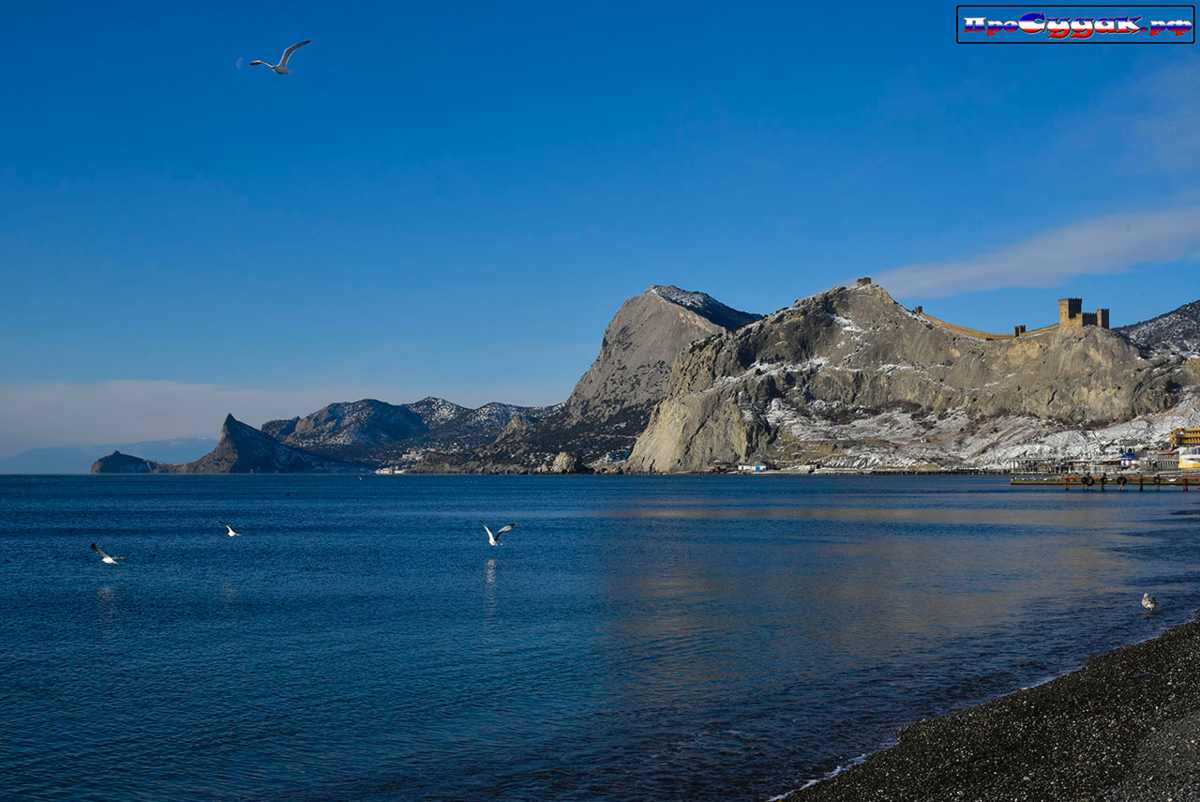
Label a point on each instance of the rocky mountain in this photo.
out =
(850, 377)
(352, 428)
(376, 433)
(639, 346)
(240, 449)
(1177, 331)
(611, 403)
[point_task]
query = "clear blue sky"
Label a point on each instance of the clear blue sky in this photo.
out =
(453, 199)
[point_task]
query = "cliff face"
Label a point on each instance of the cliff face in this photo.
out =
(1177, 331)
(851, 370)
(611, 403)
(639, 346)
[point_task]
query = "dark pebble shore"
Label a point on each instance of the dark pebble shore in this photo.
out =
(1125, 726)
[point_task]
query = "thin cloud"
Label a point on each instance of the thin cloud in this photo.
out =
(1110, 244)
(39, 415)
(1164, 117)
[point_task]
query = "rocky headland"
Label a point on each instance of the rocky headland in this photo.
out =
(240, 449)
(845, 379)
(850, 377)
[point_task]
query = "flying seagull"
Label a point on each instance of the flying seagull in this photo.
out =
(495, 539)
(281, 67)
(1148, 601)
(230, 528)
(104, 558)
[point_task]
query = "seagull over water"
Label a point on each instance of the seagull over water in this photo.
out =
(281, 67)
(1148, 601)
(104, 558)
(230, 528)
(495, 539)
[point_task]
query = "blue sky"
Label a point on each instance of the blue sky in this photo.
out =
(454, 199)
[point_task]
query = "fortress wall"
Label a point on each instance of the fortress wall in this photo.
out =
(1070, 315)
(986, 335)
(976, 333)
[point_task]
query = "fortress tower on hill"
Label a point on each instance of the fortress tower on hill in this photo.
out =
(1071, 314)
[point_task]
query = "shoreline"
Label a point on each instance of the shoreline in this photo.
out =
(1124, 727)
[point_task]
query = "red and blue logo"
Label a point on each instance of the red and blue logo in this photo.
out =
(1076, 24)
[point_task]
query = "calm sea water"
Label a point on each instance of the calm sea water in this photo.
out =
(635, 638)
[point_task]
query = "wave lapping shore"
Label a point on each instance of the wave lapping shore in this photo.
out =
(1123, 728)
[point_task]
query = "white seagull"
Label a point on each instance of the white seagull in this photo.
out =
(495, 539)
(230, 528)
(104, 558)
(281, 67)
(1148, 601)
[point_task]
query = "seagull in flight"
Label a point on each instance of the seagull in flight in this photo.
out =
(104, 558)
(281, 67)
(1148, 601)
(495, 539)
(230, 528)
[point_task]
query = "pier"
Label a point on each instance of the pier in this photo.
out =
(1103, 483)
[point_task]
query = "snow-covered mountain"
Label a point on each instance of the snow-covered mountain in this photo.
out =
(1177, 331)
(377, 432)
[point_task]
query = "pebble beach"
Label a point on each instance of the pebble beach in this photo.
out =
(1124, 727)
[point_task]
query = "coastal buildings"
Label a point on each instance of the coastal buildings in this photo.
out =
(1185, 437)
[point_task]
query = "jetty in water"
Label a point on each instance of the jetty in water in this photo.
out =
(1103, 483)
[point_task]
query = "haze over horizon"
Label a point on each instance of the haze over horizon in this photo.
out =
(454, 202)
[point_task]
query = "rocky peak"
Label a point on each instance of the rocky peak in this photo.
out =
(437, 411)
(611, 403)
(244, 449)
(638, 348)
(702, 304)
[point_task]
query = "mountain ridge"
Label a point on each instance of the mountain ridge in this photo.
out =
(1177, 331)
(851, 372)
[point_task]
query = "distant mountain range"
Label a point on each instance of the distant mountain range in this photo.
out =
(377, 432)
(845, 378)
(77, 459)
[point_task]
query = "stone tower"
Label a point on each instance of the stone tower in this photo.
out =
(1071, 315)
(1070, 312)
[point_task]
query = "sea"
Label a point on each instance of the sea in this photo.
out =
(633, 638)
